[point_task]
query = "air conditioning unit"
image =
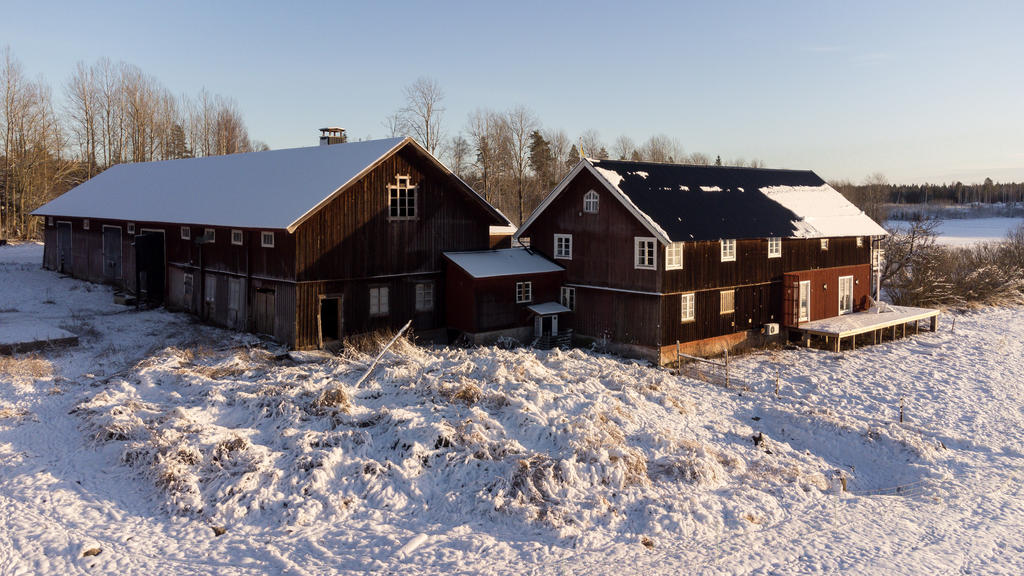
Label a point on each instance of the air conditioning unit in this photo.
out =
(771, 329)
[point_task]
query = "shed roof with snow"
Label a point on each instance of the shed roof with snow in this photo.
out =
(270, 189)
(506, 262)
(679, 202)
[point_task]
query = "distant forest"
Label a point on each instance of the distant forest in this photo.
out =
(108, 113)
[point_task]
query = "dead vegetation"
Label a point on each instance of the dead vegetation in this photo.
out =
(25, 368)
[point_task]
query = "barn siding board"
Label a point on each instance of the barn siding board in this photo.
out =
(623, 317)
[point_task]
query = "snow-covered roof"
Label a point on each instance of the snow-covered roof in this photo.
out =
(680, 203)
(499, 230)
(506, 262)
(272, 189)
(547, 308)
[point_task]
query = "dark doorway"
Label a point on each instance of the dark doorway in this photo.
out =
(150, 266)
(64, 247)
(545, 326)
(330, 319)
(264, 306)
(112, 252)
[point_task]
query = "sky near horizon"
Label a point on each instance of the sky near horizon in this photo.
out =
(918, 91)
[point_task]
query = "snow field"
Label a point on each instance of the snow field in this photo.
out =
(156, 434)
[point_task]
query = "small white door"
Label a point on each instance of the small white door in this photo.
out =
(805, 301)
(845, 294)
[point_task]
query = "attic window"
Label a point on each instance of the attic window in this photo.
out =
(186, 233)
(860, 241)
(824, 243)
(644, 253)
(775, 247)
(49, 221)
(236, 237)
(131, 227)
(210, 235)
(85, 224)
(729, 250)
(267, 239)
(591, 202)
(402, 199)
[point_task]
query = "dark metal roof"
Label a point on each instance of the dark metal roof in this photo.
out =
(671, 195)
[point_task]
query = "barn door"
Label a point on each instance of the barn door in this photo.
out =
(112, 252)
(791, 300)
(64, 247)
(150, 265)
(263, 313)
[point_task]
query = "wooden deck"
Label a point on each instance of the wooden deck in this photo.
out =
(878, 321)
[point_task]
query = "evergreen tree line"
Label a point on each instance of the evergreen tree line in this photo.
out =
(877, 197)
(111, 113)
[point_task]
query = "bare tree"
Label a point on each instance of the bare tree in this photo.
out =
(623, 147)
(521, 123)
(423, 112)
(591, 141)
(459, 154)
(662, 148)
(82, 93)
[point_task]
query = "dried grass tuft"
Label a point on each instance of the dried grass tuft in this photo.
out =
(26, 368)
(333, 398)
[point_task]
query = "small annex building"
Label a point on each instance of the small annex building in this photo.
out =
(711, 257)
(306, 245)
(512, 292)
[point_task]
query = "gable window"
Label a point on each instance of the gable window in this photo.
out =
(131, 227)
(569, 297)
(644, 254)
(686, 307)
(236, 237)
(674, 256)
(424, 297)
(209, 235)
(727, 301)
(728, 250)
(267, 239)
(402, 199)
(85, 224)
(860, 241)
(824, 243)
(186, 233)
(775, 247)
(49, 221)
(563, 246)
(524, 292)
(379, 301)
(591, 202)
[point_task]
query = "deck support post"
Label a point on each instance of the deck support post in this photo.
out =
(934, 322)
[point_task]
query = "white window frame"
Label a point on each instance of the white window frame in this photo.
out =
(402, 189)
(775, 247)
(563, 246)
(722, 298)
(264, 242)
(425, 297)
(210, 235)
(804, 305)
(728, 248)
(824, 243)
(568, 297)
(131, 227)
(240, 237)
(674, 256)
(49, 221)
(524, 292)
(848, 280)
(860, 241)
(186, 233)
(645, 253)
(687, 306)
(591, 202)
(85, 224)
(379, 301)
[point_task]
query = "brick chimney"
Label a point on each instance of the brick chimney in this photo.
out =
(332, 135)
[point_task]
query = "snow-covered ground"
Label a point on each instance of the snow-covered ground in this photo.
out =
(162, 446)
(968, 231)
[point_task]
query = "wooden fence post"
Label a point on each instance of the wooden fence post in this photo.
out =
(726, 367)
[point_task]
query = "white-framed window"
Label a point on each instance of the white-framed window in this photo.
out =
(131, 227)
(524, 292)
(49, 221)
(591, 201)
(379, 301)
(805, 301)
(267, 239)
(424, 297)
(727, 301)
(209, 235)
(186, 233)
(729, 250)
(563, 246)
(210, 293)
(644, 254)
(845, 294)
(775, 247)
(686, 307)
(236, 237)
(824, 243)
(569, 297)
(674, 256)
(860, 241)
(402, 199)
(85, 224)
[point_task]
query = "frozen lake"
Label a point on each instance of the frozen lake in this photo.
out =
(967, 231)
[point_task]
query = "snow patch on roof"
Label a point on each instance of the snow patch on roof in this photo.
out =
(614, 178)
(642, 174)
(506, 262)
(684, 188)
(710, 189)
(823, 212)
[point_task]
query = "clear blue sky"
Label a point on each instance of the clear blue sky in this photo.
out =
(919, 91)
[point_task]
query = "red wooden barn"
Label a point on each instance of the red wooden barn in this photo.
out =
(709, 256)
(305, 244)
